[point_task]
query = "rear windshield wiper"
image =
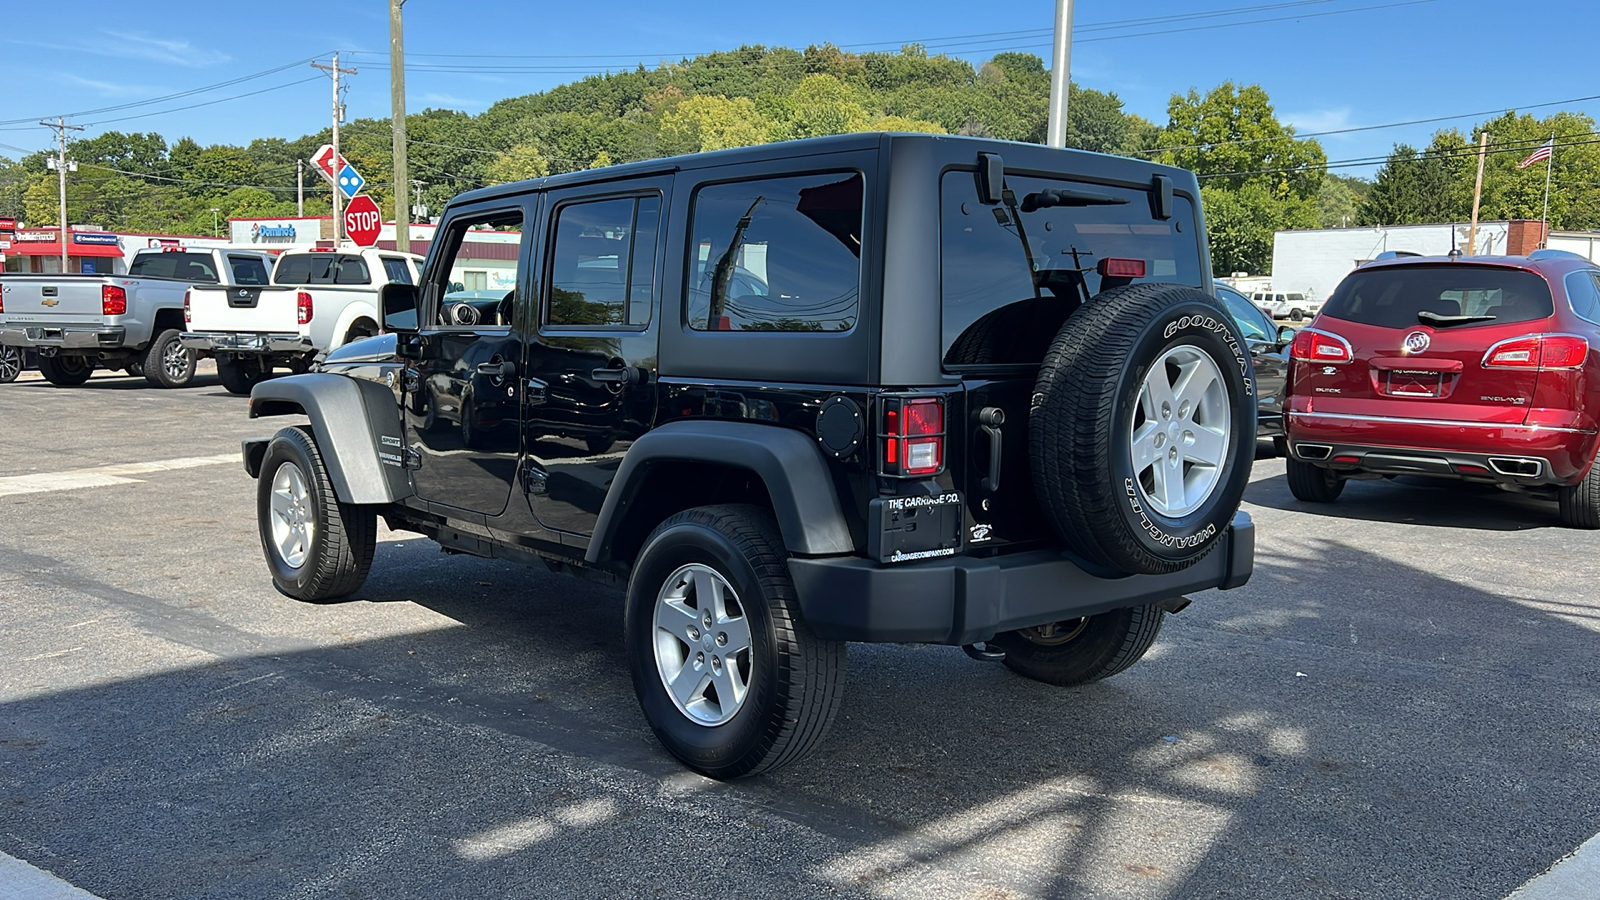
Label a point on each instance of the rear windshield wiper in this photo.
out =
(1438, 321)
(1056, 197)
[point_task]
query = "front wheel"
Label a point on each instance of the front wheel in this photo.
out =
(168, 363)
(317, 547)
(66, 371)
(1297, 315)
(10, 363)
(731, 680)
(1311, 483)
(1083, 650)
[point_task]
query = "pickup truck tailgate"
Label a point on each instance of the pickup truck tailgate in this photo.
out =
(243, 310)
(52, 298)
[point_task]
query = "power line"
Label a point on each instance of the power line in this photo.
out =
(1465, 153)
(177, 96)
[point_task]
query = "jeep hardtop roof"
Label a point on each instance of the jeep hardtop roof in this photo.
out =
(1017, 155)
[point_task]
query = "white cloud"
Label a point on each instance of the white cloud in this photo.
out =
(1319, 120)
(449, 101)
(131, 45)
(108, 88)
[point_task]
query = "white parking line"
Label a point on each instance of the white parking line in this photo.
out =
(1575, 877)
(103, 476)
(20, 881)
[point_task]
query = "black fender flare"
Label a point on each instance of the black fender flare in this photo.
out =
(357, 426)
(804, 499)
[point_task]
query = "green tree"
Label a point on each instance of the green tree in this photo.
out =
(520, 163)
(819, 105)
(1433, 185)
(710, 122)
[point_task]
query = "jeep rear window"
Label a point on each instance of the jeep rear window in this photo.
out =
(1010, 278)
(1392, 297)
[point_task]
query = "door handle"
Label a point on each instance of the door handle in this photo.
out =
(533, 391)
(496, 369)
(613, 376)
(990, 418)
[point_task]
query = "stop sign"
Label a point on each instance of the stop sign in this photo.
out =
(362, 221)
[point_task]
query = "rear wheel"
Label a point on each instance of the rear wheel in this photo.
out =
(66, 371)
(10, 363)
(316, 547)
(731, 680)
(240, 373)
(168, 363)
(1311, 483)
(1580, 503)
(1142, 428)
(1297, 315)
(1080, 651)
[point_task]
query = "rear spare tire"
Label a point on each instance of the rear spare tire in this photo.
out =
(1142, 428)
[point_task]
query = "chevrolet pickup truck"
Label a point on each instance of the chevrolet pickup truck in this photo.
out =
(129, 322)
(319, 300)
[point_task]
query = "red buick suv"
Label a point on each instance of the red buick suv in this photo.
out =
(1481, 369)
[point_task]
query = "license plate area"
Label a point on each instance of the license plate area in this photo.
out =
(907, 529)
(45, 335)
(1413, 383)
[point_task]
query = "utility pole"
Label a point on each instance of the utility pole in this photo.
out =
(61, 127)
(300, 188)
(1060, 75)
(397, 103)
(338, 116)
(1477, 195)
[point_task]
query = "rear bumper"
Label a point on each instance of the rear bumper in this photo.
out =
(86, 336)
(234, 342)
(963, 600)
(1397, 446)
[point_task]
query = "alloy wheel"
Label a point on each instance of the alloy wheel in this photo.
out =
(702, 644)
(1182, 431)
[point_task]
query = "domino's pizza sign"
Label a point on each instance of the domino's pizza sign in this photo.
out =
(272, 234)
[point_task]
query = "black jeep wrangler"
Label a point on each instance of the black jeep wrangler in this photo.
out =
(876, 387)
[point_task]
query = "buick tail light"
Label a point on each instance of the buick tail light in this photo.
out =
(302, 307)
(188, 314)
(912, 436)
(1537, 352)
(1311, 345)
(113, 300)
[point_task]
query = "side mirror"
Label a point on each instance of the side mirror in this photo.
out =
(1286, 334)
(456, 287)
(400, 302)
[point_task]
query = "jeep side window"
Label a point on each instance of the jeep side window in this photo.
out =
(475, 283)
(776, 254)
(603, 265)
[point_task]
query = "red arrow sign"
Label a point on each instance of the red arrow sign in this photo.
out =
(363, 221)
(323, 160)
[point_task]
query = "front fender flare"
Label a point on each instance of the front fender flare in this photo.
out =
(353, 420)
(804, 499)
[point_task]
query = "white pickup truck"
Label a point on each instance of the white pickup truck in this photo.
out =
(131, 322)
(319, 300)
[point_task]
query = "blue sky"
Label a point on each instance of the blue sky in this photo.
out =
(1327, 64)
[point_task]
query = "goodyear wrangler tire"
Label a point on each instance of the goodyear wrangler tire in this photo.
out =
(1142, 428)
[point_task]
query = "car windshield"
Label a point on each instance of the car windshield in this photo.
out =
(1251, 322)
(1393, 297)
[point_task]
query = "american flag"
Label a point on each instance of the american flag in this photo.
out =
(1539, 155)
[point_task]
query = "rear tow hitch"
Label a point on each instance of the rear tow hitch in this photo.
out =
(982, 652)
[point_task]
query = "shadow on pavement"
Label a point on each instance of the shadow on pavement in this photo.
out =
(1344, 727)
(1418, 501)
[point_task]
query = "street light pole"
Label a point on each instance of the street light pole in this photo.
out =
(61, 127)
(214, 211)
(397, 103)
(1060, 75)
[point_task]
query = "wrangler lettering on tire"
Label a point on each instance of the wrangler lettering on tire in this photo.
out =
(1142, 428)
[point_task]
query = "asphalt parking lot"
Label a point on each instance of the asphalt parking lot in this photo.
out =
(1401, 704)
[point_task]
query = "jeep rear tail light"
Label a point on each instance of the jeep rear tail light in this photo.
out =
(1311, 345)
(1113, 267)
(912, 436)
(113, 300)
(302, 307)
(1537, 352)
(188, 314)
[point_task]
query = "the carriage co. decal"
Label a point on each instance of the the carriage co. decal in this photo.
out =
(947, 499)
(1219, 328)
(1154, 530)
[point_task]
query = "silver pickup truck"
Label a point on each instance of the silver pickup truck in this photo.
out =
(129, 322)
